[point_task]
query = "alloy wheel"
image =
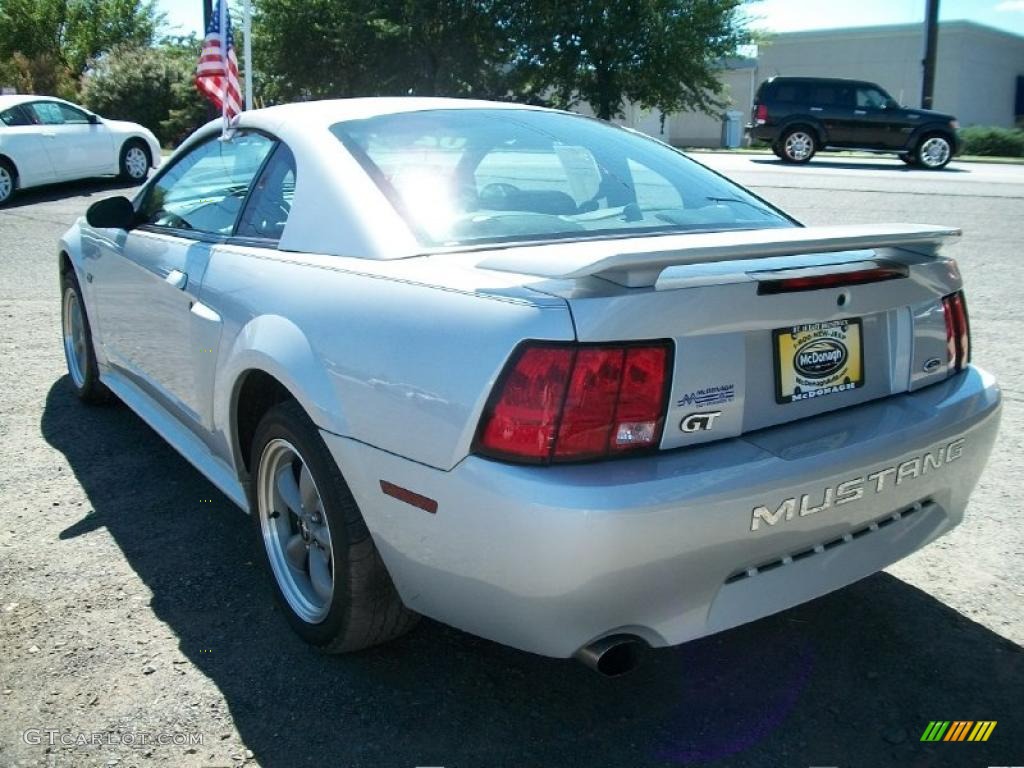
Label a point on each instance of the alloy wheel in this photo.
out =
(136, 162)
(6, 184)
(74, 337)
(799, 146)
(295, 530)
(934, 152)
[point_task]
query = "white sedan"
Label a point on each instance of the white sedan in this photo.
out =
(44, 140)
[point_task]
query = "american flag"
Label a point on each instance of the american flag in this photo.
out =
(217, 73)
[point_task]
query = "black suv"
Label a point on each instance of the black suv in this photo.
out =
(800, 115)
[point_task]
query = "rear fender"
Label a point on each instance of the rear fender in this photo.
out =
(276, 346)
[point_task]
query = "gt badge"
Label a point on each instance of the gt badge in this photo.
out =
(699, 422)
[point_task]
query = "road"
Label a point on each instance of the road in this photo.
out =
(130, 604)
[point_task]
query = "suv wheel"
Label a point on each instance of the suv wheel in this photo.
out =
(328, 576)
(798, 145)
(934, 151)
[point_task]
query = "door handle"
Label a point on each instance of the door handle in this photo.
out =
(176, 279)
(859, 112)
(816, 109)
(49, 134)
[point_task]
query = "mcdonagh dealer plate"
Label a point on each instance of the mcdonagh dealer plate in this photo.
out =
(818, 359)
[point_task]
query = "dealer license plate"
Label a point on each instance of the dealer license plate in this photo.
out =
(818, 360)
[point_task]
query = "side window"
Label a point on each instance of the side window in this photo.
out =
(15, 116)
(72, 115)
(47, 112)
(270, 201)
(204, 190)
(870, 97)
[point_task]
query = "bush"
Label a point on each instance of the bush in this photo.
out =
(993, 141)
(150, 86)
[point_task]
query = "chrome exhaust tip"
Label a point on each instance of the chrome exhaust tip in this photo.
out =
(612, 656)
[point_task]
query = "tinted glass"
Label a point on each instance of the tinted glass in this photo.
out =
(870, 98)
(490, 175)
(15, 116)
(204, 190)
(270, 201)
(791, 92)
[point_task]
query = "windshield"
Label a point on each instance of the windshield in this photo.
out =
(477, 176)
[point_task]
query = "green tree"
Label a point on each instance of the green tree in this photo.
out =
(307, 49)
(151, 86)
(53, 41)
(656, 53)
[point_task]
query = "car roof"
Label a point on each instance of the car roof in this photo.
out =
(14, 99)
(809, 79)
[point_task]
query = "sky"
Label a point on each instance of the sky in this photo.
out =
(184, 16)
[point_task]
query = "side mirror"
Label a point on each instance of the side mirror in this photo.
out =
(892, 104)
(111, 213)
(93, 119)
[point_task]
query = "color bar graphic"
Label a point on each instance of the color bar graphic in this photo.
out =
(958, 730)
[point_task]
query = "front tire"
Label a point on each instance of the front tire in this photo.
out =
(798, 146)
(934, 151)
(328, 576)
(78, 347)
(135, 160)
(8, 182)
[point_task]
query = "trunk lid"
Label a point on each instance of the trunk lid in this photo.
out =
(748, 347)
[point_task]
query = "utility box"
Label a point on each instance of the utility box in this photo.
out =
(732, 129)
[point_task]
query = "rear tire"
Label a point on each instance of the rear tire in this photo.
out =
(78, 347)
(798, 146)
(135, 160)
(328, 576)
(777, 150)
(8, 182)
(934, 151)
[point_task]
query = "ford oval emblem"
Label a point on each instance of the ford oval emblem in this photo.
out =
(820, 358)
(931, 365)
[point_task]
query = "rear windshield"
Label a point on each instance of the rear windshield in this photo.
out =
(474, 176)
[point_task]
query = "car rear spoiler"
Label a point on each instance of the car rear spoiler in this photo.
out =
(637, 262)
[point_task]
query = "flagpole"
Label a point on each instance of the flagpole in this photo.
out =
(247, 27)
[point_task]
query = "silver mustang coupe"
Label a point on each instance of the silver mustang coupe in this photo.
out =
(527, 373)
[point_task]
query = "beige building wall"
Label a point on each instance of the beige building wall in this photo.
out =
(693, 129)
(975, 76)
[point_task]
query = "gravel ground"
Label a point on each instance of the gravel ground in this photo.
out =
(130, 607)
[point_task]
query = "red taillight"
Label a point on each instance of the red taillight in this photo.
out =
(761, 114)
(958, 332)
(569, 402)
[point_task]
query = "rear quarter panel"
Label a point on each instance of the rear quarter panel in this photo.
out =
(370, 352)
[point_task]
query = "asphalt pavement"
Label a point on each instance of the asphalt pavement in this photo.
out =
(130, 603)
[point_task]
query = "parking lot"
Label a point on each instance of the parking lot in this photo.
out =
(130, 602)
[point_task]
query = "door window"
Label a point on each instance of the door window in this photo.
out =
(204, 190)
(55, 113)
(15, 116)
(870, 98)
(270, 201)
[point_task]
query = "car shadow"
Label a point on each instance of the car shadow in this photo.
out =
(895, 165)
(851, 679)
(49, 193)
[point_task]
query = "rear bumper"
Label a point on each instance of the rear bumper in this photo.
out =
(549, 559)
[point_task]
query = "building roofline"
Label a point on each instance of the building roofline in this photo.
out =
(890, 29)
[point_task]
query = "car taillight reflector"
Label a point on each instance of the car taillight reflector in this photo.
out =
(761, 114)
(958, 331)
(778, 282)
(570, 402)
